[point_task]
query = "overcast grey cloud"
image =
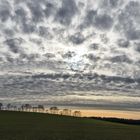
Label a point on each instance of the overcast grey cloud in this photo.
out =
(14, 44)
(103, 22)
(4, 10)
(121, 58)
(77, 38)
(66, 12)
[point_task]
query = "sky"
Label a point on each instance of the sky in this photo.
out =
(70, 52)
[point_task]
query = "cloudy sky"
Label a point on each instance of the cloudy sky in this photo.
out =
(89, 50)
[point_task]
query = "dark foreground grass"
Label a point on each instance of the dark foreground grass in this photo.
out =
(33, 126)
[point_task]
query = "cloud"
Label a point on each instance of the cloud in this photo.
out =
(133, 34)
(132, 8)
(104, 38)
(100, 21)
(9, 58)
(45, 32)
(121, 59)
(4, 10)
(137, 47)
(77, 38)
(20, 15)
(90, 17)
(8, 32)
(74, 33)
(49, 55)
(92, 57)
(123, 43)
(28, 57)
(36, 11)
(28, 27)
(14, 44)
(90, 76)
(129, 20)
(66, 47)
(114, 3)
(111, 3)
(21, 18)
(66, 12)
(69, 54)
(49, 10)
(104, 22)
(94, 46)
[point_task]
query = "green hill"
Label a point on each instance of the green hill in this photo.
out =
(35, 126)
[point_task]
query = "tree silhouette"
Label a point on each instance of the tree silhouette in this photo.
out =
(1, 105)
(46, 111)
(41, 108)
(54, 110)
(9, 106)
(77, 114)
(35, 109)
(22, 107)
(66, 112)
(26, 107)
(15, 108)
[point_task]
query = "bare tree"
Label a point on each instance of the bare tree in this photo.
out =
(46, 111)
(22, 108)
(15, 108)
(26, 107)
(41, 108)
(66, 112)
(9, 106)
(35, 109)
(54, 110)
(1, 105)
(77, 113)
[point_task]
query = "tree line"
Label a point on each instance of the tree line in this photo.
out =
(40, 109)
(118, 120)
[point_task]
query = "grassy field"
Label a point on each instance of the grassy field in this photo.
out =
(33, 126)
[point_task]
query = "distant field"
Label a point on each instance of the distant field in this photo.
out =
(35, 126)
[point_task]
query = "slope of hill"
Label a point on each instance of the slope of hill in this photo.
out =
(33, 126)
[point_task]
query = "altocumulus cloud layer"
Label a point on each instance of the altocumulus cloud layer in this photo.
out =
(101, 36)
(80, 37)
